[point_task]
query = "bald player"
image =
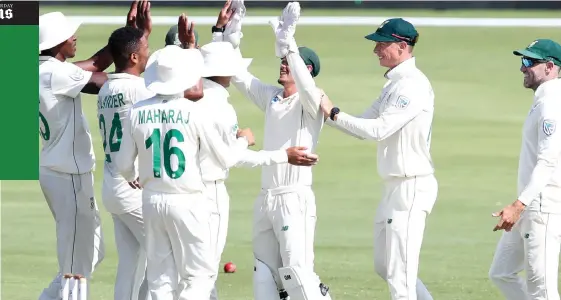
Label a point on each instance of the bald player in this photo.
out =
(532, 223)
(67, 158)
(166, 133)
(400, 120)
(285, 210)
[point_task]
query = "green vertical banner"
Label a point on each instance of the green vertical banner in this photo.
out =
(19, 79)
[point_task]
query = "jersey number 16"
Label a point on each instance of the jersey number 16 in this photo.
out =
(154, 141)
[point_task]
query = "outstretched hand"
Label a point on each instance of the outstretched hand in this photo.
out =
(186, 32)
(284, 28)
(225, 14)
(139, 16)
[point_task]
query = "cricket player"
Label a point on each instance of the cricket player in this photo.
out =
(401, 121)
(67, 158)
(166, 132)
(221, 63)
(285, 210)
(124, 87)
(532, 223)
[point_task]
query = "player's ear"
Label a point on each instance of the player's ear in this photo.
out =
(310, 68)
(134, 58)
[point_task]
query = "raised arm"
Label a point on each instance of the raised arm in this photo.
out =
(254, 89)
(309, 94)
(404, 104)
(126, 156)
(549, 150)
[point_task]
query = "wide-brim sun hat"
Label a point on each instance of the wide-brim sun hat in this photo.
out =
(54, 29)
(172, 70)
(221, 59)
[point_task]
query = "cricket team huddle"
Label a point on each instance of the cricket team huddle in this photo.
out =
(170, 136)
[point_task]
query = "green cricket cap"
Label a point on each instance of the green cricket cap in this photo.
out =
(542, 49)
(310, 58)
(172, 37)
(395, 30)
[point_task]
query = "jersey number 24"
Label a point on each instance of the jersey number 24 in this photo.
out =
(115, 135)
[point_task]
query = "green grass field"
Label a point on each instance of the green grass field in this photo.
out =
(480, 107)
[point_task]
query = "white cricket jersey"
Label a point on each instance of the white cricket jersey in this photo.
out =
(539, 171)
(65, 136)
(114, 100)
(166, 133)
(292, 121)
(400, 120)
(215, 106)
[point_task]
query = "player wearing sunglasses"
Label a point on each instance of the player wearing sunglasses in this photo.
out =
(532, 223)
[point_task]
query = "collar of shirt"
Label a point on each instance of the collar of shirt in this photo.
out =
(49, 58)
(549, 87)
(123, 76)
(221, 91)
(401, 70)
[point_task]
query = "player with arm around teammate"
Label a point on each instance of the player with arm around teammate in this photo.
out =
(400, 120)
(67, 159)
(532, 223)
(166, 133)
(221, 63)
(285, 210)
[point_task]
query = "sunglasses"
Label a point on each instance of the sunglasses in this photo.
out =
(530, 62)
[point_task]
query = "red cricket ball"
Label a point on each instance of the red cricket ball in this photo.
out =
(229, 267)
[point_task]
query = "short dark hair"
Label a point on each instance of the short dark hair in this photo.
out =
(122, 43)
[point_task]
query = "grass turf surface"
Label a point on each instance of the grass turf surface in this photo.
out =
(480, 107)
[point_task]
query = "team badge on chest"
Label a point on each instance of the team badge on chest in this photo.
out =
(402, 102)
(549, 127)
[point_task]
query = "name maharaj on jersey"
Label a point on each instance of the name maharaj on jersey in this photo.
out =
(168, 116)
(111, 101)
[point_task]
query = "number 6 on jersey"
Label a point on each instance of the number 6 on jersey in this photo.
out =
(154, 141)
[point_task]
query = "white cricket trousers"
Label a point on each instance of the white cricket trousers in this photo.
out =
(179, 245)
(218, 193)
(80, 245)
(533, 246)
(398, 234)
(130, 282)
(284, 221)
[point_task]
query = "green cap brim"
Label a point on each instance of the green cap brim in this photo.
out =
(527, 53)
(380, 38)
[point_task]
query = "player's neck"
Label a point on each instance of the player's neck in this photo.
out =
(131, 71)
(289, 90)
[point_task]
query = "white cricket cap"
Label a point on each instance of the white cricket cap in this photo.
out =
(55, 28)
(221, 59)
(172, 70)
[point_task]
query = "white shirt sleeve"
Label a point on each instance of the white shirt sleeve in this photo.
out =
(252, 88)
(549, 150)
(217, 37)
(228, 155)
(69, 80)
(372, 112)
(126, 156)
(404, 104)
(253, 159)
(309, 94)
